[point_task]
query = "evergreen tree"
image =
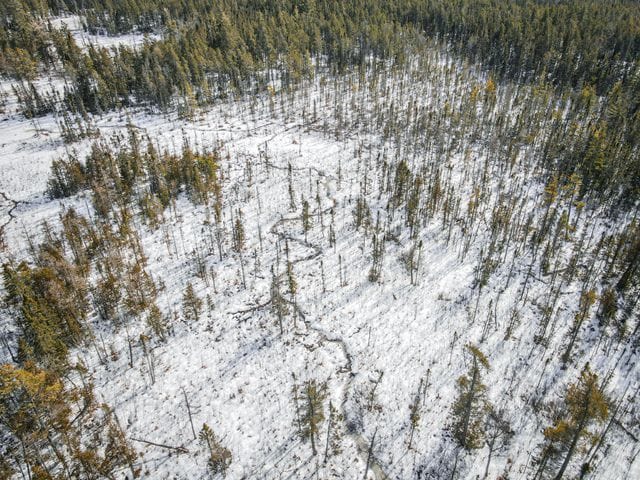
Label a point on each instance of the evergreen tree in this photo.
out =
(335, 433)
(238, 233)
(157, 322)
(191, 303)
(278, 302)
(414, 419)
(587, 299)
(361, 214)
(306, 218)
(470, 407)
(291, 279)
(219, 456)
(585, 403)
(310, 404)
(498, 434)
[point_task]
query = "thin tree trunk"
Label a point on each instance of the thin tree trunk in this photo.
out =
(486, 468)
(572, 447)
(186, 400)
(312, 425)
(369, 454)
(326, 450)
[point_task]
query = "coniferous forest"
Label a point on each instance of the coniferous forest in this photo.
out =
(313, 239)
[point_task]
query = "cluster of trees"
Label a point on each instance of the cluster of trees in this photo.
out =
(582, 42)
(232, 46)
(539, 143)
(573, 42)
(24, 42)
(312, 417)
(93, 265)
(56, 429)
(53, 430)
(475, 423)
(93, 269)
(127, 169)
(53, 427)
(49, 301)
(219, 457)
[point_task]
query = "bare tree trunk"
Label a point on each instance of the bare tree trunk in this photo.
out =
(186, 400)
(370, 454)
(326, 449)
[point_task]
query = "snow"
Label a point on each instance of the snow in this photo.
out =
(73, 23)
(236, 369)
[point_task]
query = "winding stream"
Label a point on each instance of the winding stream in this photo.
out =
(14, 205)
(361, 442)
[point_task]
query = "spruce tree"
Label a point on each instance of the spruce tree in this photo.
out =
(470, 408)
(219, 456)
(157, 322)
(191, 303)
(587, 299)
(306, 218)
(310, 404)
(278, 302)
(238, 233)
(585, 403)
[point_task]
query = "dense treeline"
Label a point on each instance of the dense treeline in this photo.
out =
(231, 46)
(571, 42)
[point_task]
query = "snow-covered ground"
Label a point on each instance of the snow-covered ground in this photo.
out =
(73, 23)
(235, 367)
